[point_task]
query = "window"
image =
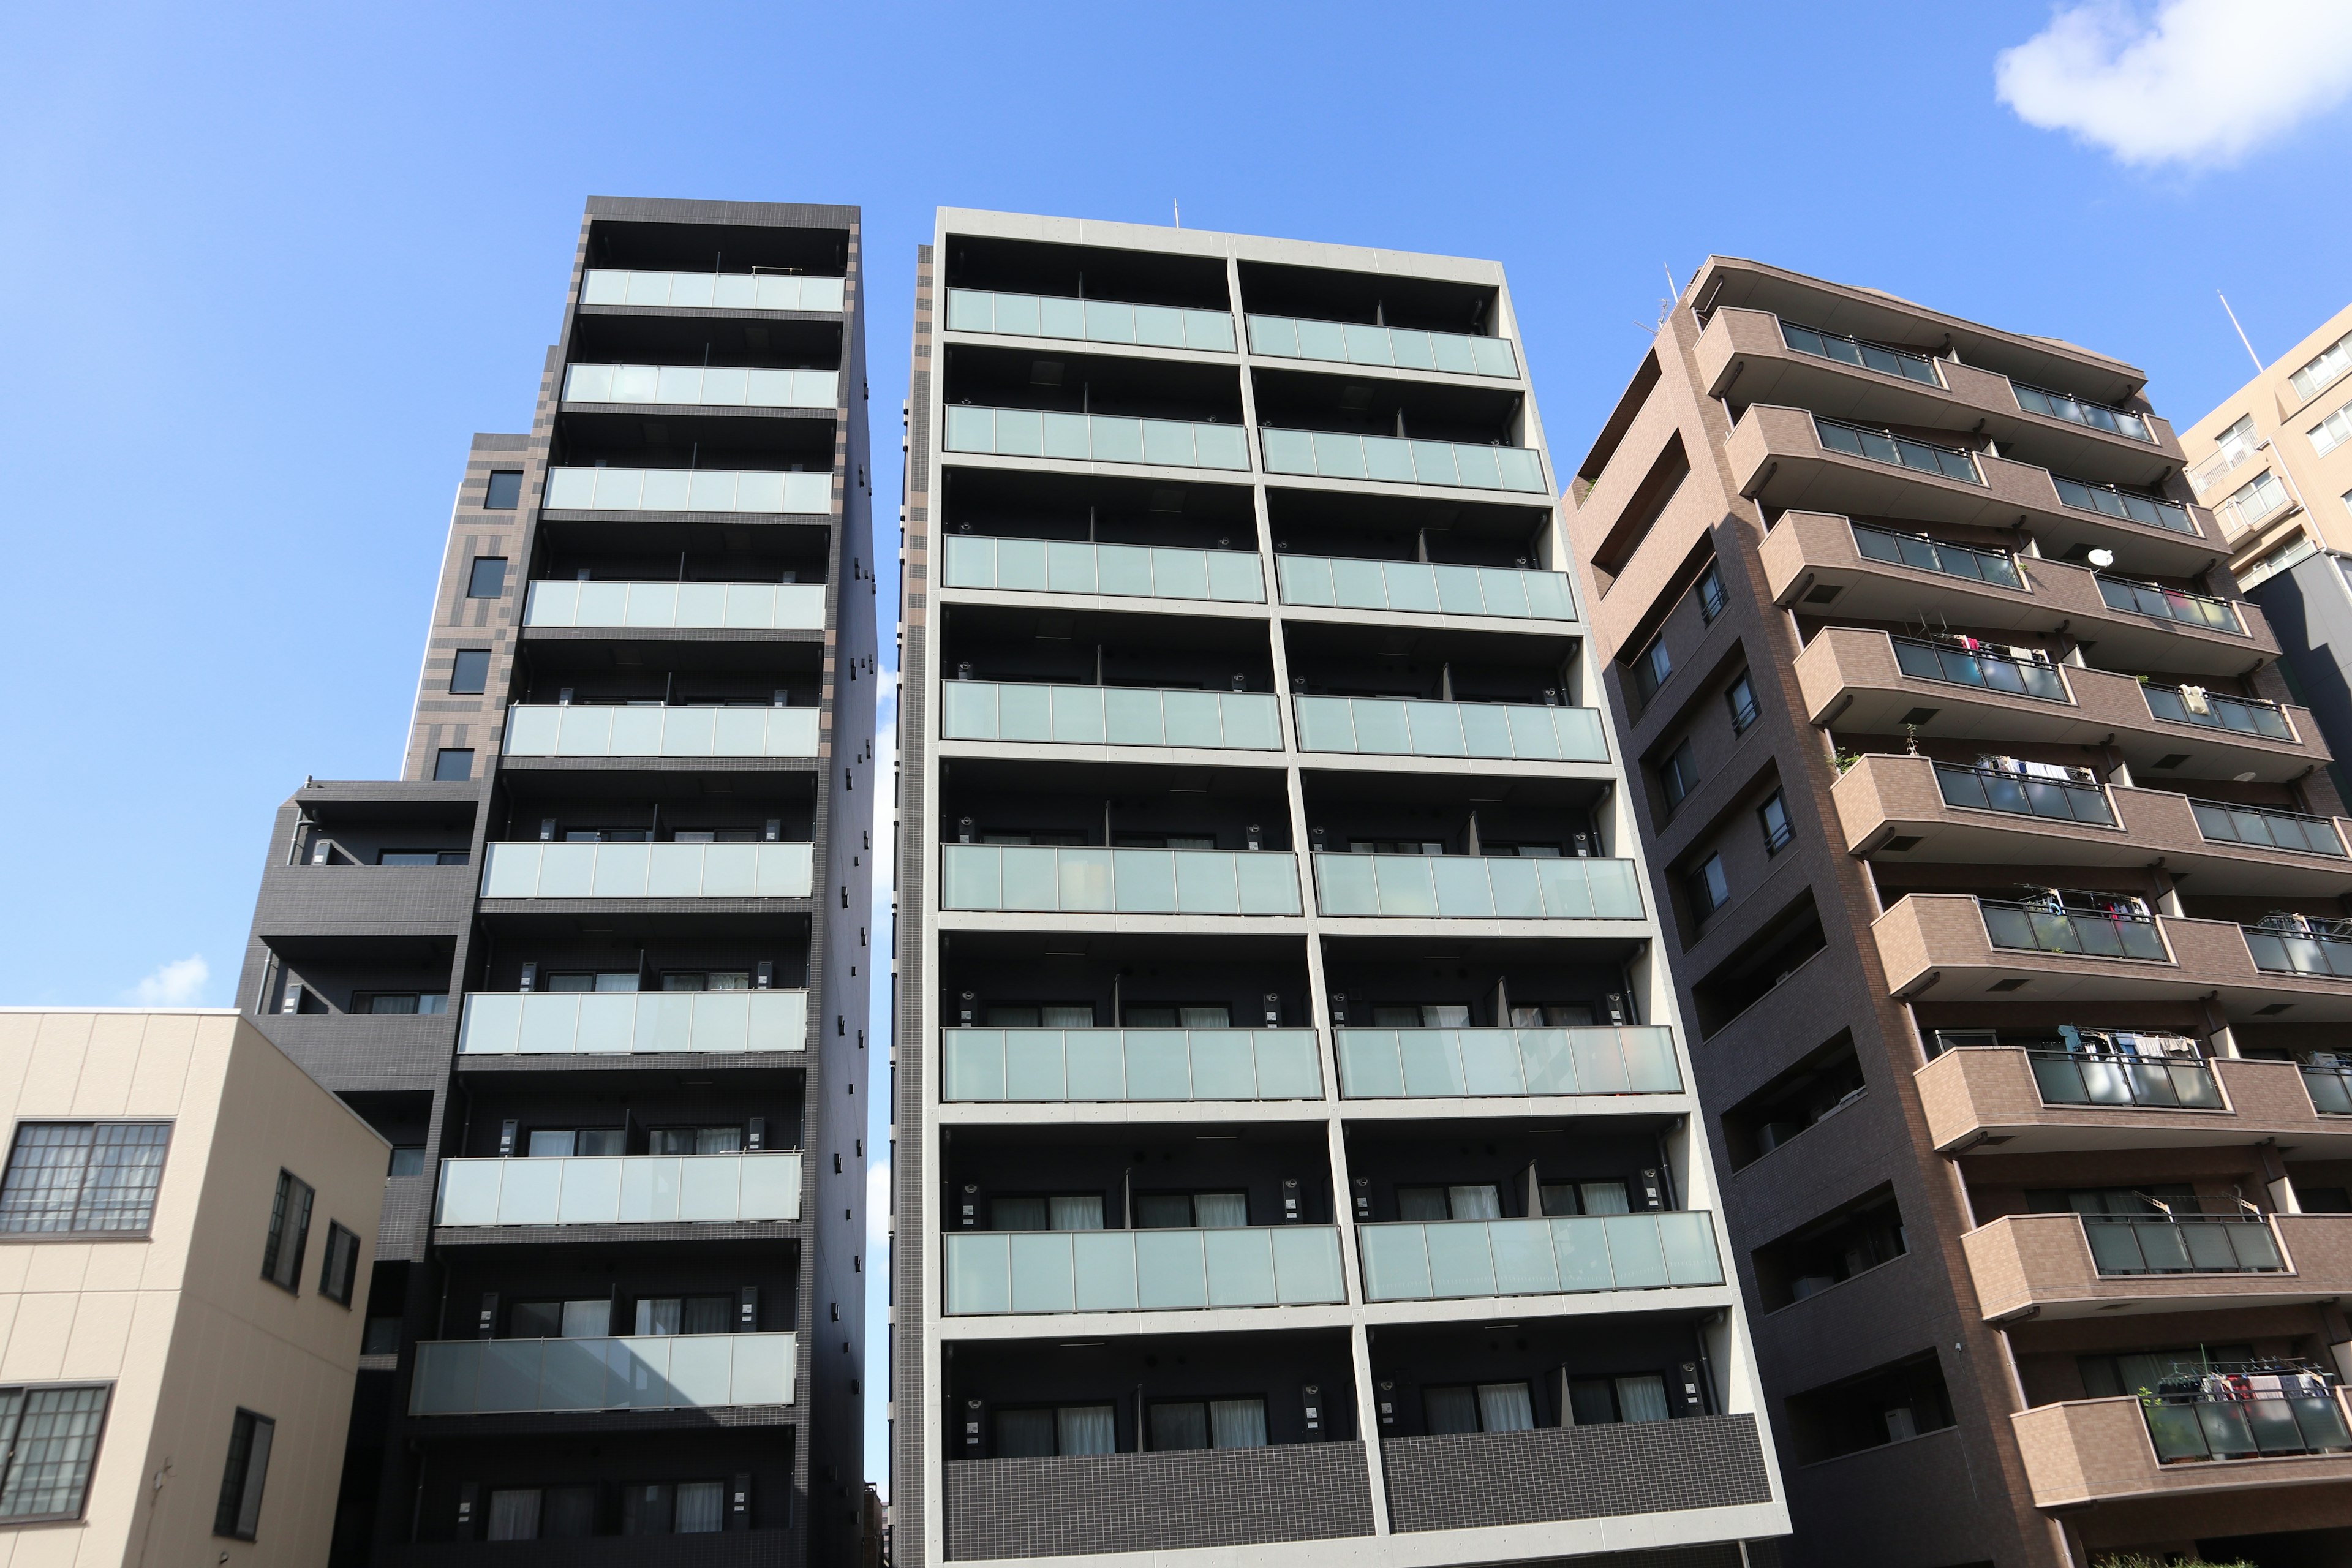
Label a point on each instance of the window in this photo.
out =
(469, 673)
(684, 1315)
(381, 1337)
(559, 1143)
(488, 578)
(1774, 817)
(401, 1003)
(1192, 1211)
(421, 857)
(1478, 1407)
(49, 1436)
(1651, 667)
(1424, 1016)
(1560, 1198)
(289, 1232)
(1604, 1401)
(1208, 1424)
(340, 1265)
(591, 1318)
(1151, 1015)
(407, 1160)
(1065, 1211)
(453, 765)
(2332, 362)
(695, 1141)
(1709, 888)
(606, 980)
(1740, 697)
(1067, 1429)
(2255, 500)
(1679, 775)
(1711, 597)
(504, 492)
(701, 979)
(239, 1514)
(83, 1176)
(2333, 431)
(1470, 1201)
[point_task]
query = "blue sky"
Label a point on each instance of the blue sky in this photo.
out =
(267, 268)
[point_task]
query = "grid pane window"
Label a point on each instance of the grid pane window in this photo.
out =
(342, 1265)
(83, 1176)
(239, 1513)
(51, 1441)
(289, 1232)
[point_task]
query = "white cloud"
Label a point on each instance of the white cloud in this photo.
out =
(2198, 82)
(179, 983)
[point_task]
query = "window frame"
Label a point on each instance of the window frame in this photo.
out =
(460, 668)
(238, 1480)
(1743, 682)
(8, 1449)
(441, 764)
(337, 1235)
(1711, 604)
(1649, 680)
(1787, 834)
(1718, 886)
(146, 1229)
(1670, 776)
(272, 1253)
(490, 488)
(474, 576)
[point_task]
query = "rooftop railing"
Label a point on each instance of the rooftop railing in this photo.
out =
(2223, 822)
(1096, 438)
(1109, 716)
(1991, 789)
(2084, 497)
(706, 386)
(1391, 459)
(1089, 320)
(631, 1023)
(678, 606)
(1073, 566)
(2182, 1244)
(711, 290)
(2075, 411)
(1423, 587)
(1476, 886)
(689, 489)
(1453, 1260)
(589, 729)
(531, 870)
(1426, 1064)
(1910, 365)
(1043, 879)
(2246, 715)
(2170, 604)
(2034, 928)
(1904, 451)
(1350, 342)
(1395, 727)
(637, 1372)
(1126, 1066)
(1995, 566)
(1141, 1270)
(631, 1189)
(1979, 666)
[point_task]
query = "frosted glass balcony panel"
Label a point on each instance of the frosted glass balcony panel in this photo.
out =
(1424, 588)
(634, 1189)
(1467, 886)
(648, 870)
(687, 489)
(631, 1023)
(1036, 879)
(711, 290)
(642, 1372)
(706, 386)
(1331, 456)
(581, 730)
(1348, 342)
(1073, 566)
(993, 1272)
(1096, 438)
(678, 606)
(1457, 1259)
(1383, 726)
(1413, 1064)
(1091, 320)
(1109, 715)
(1052, 1066)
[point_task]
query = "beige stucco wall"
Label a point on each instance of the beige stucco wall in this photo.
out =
(2317, 483)
(181, 1321)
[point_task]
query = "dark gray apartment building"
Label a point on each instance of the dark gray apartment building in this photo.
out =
(596, 963)
(2007, 884)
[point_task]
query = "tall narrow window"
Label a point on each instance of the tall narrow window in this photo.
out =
(239, 1514)
(341, 1266)
(1651, 667)
(470, 672)
(504, 492)
(1741, 698)
(1710, 890)
(1711, 597)
(1678, 775)
(453, 765)
(83, 1176)
(49, 1438)
(289, 1232)
(1774, 817)
(488, 578)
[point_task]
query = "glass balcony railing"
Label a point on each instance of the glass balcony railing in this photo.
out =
(648, 870)
(1995, 566)
(1142, 1270)
(2329, 1083)
(1903, 451)
(2182, 1244)
(1458, 1258)
(1089, 320)
(1979, 666)
(1391, 459)
(2198, 1428)
(2097, 415)
(678, 606)
(1424, 587)
(1394, 727)
(2169, 515)
(1402, 348)
(2314, 953)
(1426, 1064)
(2189, 705)
(1109, 716)
(1039, 880)
(1072, 566)
(2029, 928)
(1096, 438)
(1476, 886)
(584, 729)
(2162, 1083)
(2223, 823)
(705, 386)
(642, 1372)
(1990, 789)
(687, 489)
(2171, 604)
(1119, 1065)
(711, 290)
(1911, 366)
(633, 1189)
(631, 1023)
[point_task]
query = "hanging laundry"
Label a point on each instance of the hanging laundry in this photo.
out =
(2193, 699)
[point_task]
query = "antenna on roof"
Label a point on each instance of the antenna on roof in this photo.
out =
(2241, 331)
(1674, 292)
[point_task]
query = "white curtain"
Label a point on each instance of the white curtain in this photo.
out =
(1221, 1211)
(1237, 1422)
(1527, 1018)
(1024, 1434)
(1088, 1428)
(1506, 1408)
(1083, 1212)
(1603, 1198)
(718, 1140)
(1642, 1398)
(699, 1504)
(547, 1145)
(514, 1515)
(1445, 1017)
(1204, 1017)
(1450, 1410)
(1396, 1017)
(658, 1315)
(1476, 1202)
(587, 1319)
(1079, 1016)
(1421, 1204)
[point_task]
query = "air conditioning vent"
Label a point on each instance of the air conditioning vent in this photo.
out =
(1823, 594)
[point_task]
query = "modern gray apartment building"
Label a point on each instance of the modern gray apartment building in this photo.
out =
(1295, 1145)
(2006, 883)
(596, 963)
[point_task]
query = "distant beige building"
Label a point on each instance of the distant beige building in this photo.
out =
(187, 1223)
(2274, 460)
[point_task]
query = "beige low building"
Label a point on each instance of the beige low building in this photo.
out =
(187, 1224)
(2274, 459)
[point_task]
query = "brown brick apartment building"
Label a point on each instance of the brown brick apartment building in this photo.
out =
(2004, 878)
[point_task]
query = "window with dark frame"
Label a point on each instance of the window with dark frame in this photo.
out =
(289, 1232)
(1774, 817)
(341, 1266)
(453, 765)
(1651, 667)
(1678, 775)
(1711, 597)
(70, 1177)
(504, 492)
(487, 579)
(49, 1443)
(239, 1513)
(470, 672)
(1710, 890)
(1740, 697)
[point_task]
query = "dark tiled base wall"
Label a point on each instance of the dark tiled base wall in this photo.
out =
(1148, 1502)
(1576, 1472)
(738, 1548)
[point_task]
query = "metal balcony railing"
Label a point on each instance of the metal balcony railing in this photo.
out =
(2074, 410)
(2115, 502)
(2227, 1423)
(2246, 715)
(1903, 451)
(2294, 946)
(1906, 363)
(2182, 1244)
(648, 730)
(2164, 1083)
(1997, 567)
(2034, 928)
(2021, 795)
(2171, 604)
(2222, 822)
(1980, 667)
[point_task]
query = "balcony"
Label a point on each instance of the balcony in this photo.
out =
(1037, 879)
(1457, 1259)
(1958, 814)
(2078, 1266)
(1501, 731)
(998, 1272)
(1780, 457)
(632, 1189)
(1868, 683)
(1435, 1064)
(1156, 1502)
(1052, 1067)
(702, 387)
(579, 730)
(678, 606)
(711, 290)
(1089, 320)
(1396, 348)
(2089, 1451)
(1415, 587)
(1549, 1474)
(631, 1023)
(1817, 564)
(1476, 886)
(644, 1372)
(1096, 438)
(1109, 716)
(1132, 571)
(648, 870)
(689, 489)
(2031, 1101)
(1388, 460)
